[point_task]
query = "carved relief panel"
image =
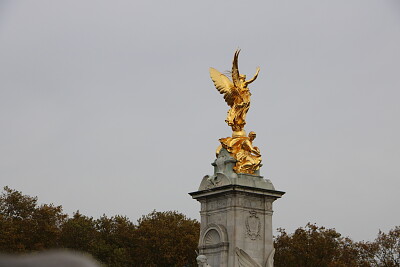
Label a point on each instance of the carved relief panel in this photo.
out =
(253, 226)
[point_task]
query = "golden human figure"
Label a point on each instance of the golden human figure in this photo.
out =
(236, 94)
(241, 148)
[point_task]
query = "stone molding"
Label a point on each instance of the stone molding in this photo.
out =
(223, 190)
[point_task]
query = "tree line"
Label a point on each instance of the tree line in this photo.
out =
(170, 238)
(317, 246)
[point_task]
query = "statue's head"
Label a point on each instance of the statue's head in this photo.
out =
(201, 259)
(242, 77)
(252, 136)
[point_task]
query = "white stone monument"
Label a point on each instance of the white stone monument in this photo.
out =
(236, 202)
(236, 216)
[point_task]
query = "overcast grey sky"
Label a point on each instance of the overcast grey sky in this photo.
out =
(107, 106)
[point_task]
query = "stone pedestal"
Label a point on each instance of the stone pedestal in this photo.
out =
(236, 214)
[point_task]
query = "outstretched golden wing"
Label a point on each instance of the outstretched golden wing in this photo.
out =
(235, 68)
(224, 86)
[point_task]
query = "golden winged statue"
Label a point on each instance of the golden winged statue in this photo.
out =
(237, 96)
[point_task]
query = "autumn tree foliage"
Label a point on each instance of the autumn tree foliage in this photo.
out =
(384, 251)
(315, 246)
(170, 238)
(167, 239)
(26, 226)
(158, 239)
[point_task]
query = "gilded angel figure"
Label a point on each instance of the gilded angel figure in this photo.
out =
(236, 94)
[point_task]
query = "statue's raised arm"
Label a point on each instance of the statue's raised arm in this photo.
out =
(254, 78)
